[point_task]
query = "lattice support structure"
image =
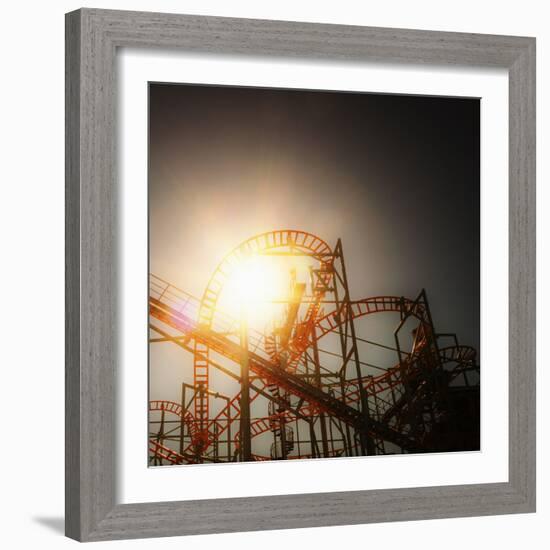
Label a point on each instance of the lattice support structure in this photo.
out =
(313, 380)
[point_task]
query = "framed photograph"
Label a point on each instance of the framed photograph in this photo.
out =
(300, 275)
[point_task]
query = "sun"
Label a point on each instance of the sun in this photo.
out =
(253, 281)
(258, 287)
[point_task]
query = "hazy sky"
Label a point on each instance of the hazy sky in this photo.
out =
(396, 177)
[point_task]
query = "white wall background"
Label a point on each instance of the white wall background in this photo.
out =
(32, 249)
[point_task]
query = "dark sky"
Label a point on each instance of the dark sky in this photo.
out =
(396, 177)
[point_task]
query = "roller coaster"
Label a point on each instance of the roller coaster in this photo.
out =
(313, 382)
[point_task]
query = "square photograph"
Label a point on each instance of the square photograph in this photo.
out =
(314, 274)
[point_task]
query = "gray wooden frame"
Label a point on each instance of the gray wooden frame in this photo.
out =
(92, 39)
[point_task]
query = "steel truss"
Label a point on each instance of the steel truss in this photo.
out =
(316, 402)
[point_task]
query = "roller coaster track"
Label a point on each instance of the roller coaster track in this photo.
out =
(201, 328)
(463, 356)
(272, 372)
(259, 244)
(258, 427)
(187, 305)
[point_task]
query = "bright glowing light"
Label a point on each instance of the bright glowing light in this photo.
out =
(253, 281)
(257, 285)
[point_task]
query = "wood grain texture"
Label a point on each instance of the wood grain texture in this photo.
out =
(92, 37)
(72, 276)
(522, 274)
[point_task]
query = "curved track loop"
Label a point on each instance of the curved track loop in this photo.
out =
(158, 449)
(293, 239)
(165, 453)
(378, 304)
(171, 407)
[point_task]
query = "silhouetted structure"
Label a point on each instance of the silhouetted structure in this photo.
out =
(316, 394)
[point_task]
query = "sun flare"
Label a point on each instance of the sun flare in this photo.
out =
(259, 286)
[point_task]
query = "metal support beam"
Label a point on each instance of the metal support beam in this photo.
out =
(245, 435)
